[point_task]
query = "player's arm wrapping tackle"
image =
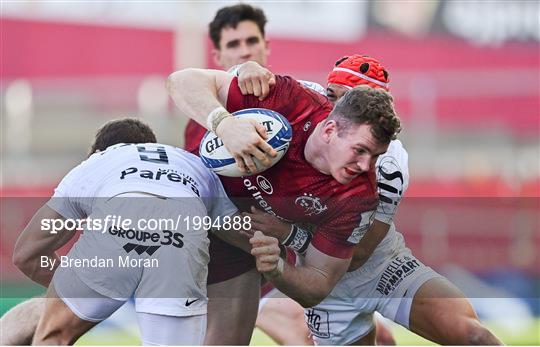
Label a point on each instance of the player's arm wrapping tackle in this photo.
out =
(237, 238)
(33, 243)
(308, 284)
(288, 235)
(201, 95)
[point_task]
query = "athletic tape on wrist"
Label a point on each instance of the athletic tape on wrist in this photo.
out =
(289, 237)
(215, 117)
(298, 239)
(235, 70)
(280, 266)
(278, 271)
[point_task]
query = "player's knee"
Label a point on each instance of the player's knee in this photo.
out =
(48, 335)
(477, 334)
(45, 337)
(297, 314)
(384, 336)
(20, 260)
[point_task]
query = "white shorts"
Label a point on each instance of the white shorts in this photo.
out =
(165, 271)
(346, 315)
(155, 329)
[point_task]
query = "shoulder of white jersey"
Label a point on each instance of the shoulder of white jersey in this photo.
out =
(313, 86)
(146, 151)
(392, 173)
(68, 182)
(112, 149)
(393, 166)
(180, 157)
(76, 175)
(209, 182)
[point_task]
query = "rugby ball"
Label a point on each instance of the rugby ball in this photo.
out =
(218, 159)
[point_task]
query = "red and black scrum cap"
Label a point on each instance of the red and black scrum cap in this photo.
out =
(354, 70)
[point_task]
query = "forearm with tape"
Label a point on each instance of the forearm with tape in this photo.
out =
(216, 117)
(235, 70)
(298, 239)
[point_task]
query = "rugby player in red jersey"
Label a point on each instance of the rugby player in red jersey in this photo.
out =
(383, 275)
(324, 179)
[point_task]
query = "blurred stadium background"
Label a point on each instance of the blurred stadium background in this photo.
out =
(465, 76)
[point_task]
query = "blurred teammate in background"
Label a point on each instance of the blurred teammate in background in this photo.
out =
(237, 33)
(384, 276)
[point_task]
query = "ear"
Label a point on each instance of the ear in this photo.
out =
(267, 48)
(329, 130)
(216, 55)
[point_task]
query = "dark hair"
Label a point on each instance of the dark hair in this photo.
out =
(366, 105)
(127, 130)
(230, 16)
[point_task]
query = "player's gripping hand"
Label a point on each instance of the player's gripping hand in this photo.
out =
(266, 251)
(268, 224)
(254, 79)
(245, 140)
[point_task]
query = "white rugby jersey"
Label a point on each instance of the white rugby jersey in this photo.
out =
(152, 168)
(392, 170)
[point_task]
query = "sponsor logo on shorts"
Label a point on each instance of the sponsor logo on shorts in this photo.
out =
(318, 322)
(164, 237)
(189, 302)
(140, 249)
(398, 269)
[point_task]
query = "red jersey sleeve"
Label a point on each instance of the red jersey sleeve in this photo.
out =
(339, 236)
(287, 97)
(346, 222)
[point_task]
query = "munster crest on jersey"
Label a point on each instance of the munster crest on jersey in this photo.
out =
(311, 204)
